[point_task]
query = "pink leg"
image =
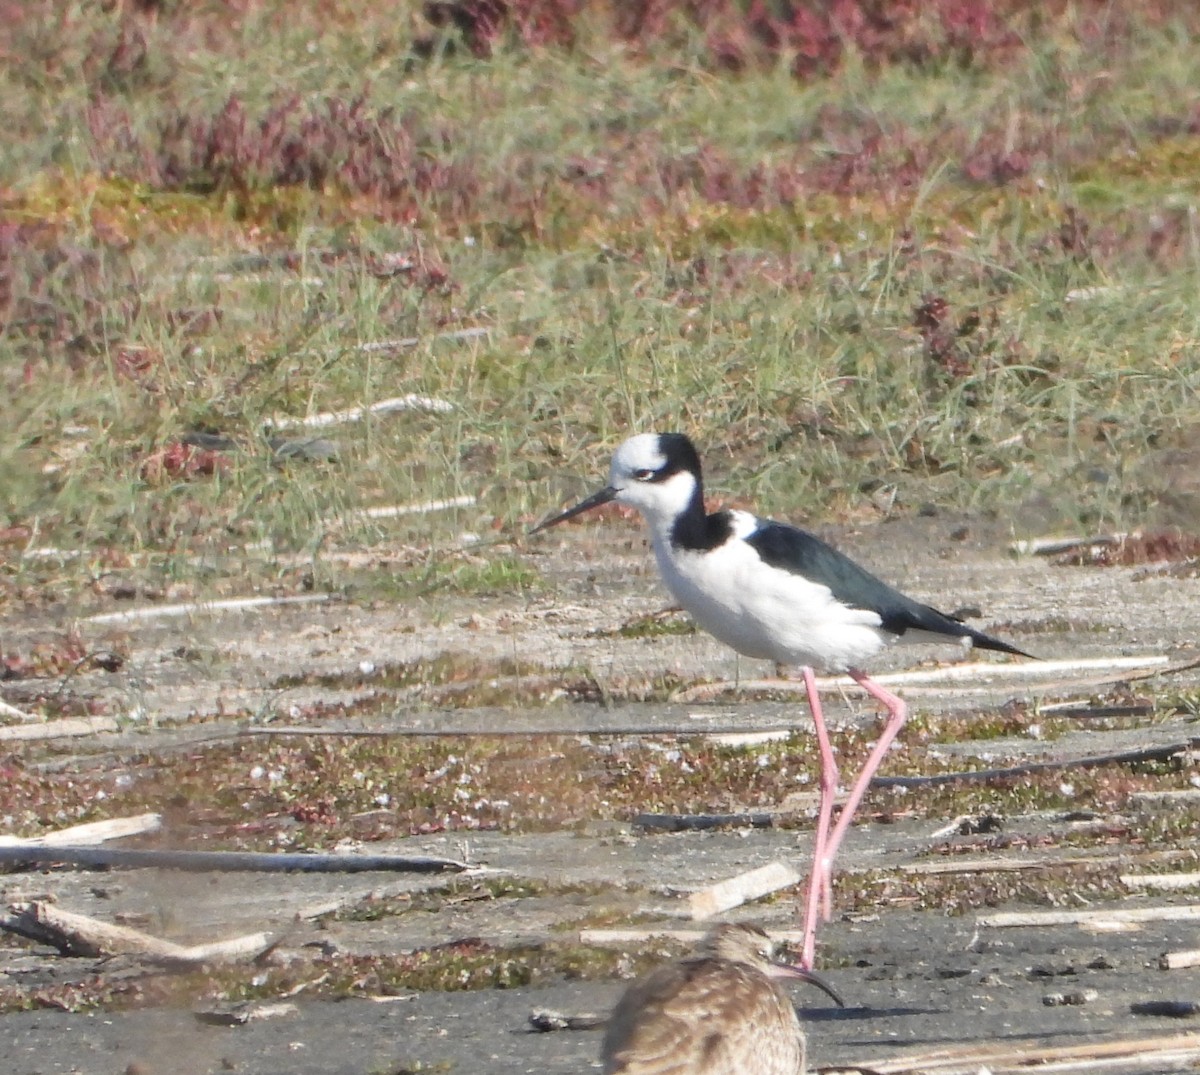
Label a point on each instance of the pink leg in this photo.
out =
(897, 713)
(817, 902)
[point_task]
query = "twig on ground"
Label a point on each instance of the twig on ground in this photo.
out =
(544, 1020)
(735, 891)
(1001, 865)
(244, 1012)
(748, 739)
(12, 711)
(988, 672)
(410, 402)
(1170, 1052)
(612, 938)
(1180, 960)
(1168, 795)
(1051, 546)
(403, 343)
(80, 935)
(378, 892)
(392, 511)
(232, 861)
(206, 608)
(1100, 920)
(67, 728)
(1087, 761)
(1161, 882)
(94, 832)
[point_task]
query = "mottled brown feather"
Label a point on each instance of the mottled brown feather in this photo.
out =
(714, 1013)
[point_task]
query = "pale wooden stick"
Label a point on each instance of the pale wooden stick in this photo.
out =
(748, 739)
(94, 832)
(198, 608)
(406, 342)
(544, 1020)
(735, 891)
(81, 935)
(66, 728)
(393, 511)
(45, 553)
(1181, 960)
(1167, 796)
(410, 402)
(1126, 916)
(233, 861)
(991, 672)
(1164, 1053)
(605, 938)
(381, 892)
(7, 710)
(1049, 546)
(990, 865)
(1163, 882)
(1088, 761)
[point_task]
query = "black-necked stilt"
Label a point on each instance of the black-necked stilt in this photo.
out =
(771, 590)
(721, 1011)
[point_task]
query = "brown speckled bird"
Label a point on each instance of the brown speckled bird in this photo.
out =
(718, 1012)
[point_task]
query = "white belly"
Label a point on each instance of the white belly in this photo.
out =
(767, 612)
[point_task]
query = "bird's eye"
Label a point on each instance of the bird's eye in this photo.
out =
(643, 475)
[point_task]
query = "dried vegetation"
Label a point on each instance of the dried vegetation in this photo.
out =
(943, 250)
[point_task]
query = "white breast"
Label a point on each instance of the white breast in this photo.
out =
(764, 611)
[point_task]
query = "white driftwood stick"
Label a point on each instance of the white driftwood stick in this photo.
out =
(1170, 1052)
(86, 936)
(382, 892)
(205, 608)
(737, 890)
(748, 739)
(48, 553)
(990, 671)
(988, 865)
(234, 950)
(1051, 546)
(94, 832)
(1181, 960)
(410, 402)
(614, 938)
(67, 728)
(1167, 796)
(982, 669)
(264, 278)
(403, 343)
(1127, 916)
(951, 829)
(7, 710)
(1160, 882)
(392, 511)
(136, 858)
(1086, 294)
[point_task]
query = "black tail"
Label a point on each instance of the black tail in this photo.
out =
(981, 641)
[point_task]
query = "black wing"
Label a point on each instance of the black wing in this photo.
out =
(802, 553)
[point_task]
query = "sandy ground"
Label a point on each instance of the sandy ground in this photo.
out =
(914, 981)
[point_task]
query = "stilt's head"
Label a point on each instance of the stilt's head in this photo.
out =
(738, 942)
(657, 473)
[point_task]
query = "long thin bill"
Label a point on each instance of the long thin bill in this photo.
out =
(594, 501)
(788, 970)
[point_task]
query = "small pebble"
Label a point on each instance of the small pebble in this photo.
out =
(1075, 999)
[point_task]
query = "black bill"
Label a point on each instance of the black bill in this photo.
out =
(594, 501)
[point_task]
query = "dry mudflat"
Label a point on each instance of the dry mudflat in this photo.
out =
(915, 980)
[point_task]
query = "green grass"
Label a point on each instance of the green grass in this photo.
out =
(774, 319)
(969, 278)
